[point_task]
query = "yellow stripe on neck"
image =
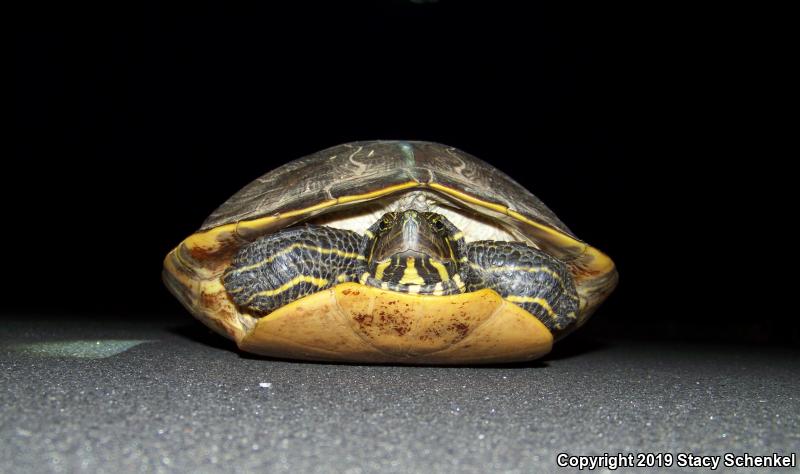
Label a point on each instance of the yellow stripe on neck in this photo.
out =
(410, 274)
(382, 266)
(444, 275)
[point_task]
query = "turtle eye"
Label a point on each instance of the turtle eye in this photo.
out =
(436, 220)
(387, 220)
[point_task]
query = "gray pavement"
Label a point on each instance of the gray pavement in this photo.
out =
(166, 395)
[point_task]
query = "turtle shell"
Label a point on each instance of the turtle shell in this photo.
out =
(353, 175)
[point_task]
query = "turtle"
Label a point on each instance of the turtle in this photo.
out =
(385, 251)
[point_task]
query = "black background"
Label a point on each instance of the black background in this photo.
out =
(134, 121)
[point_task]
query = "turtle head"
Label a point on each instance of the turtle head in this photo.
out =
(414, 249)
(411, 232)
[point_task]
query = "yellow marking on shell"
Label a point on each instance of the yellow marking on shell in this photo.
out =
(363, 278)
(294, 281)
(413, 289)
(382, 268)
(537, 300)
(410, 274)
(291, 247)
(255, 224)
(384, 286)
(438, 289)
(466, 197)
(439, 266)
(211, 239)
(379, 193)
(177, 252)
(594, 259)
(341, 278)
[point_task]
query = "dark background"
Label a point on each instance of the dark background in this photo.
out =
(134, 121)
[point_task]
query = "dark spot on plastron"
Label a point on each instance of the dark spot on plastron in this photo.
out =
(431, 333)
(461, 328)
(364, 319)
(390, 321)
(346, 291)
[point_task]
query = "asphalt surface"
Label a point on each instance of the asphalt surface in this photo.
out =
(168, 396)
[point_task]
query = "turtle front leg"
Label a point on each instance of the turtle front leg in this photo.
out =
(279, 268)
(530, 278)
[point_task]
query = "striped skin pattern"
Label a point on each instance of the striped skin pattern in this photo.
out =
(539, 283)
(279, 268)
(410, 252)
(426, 255)
(414, 274)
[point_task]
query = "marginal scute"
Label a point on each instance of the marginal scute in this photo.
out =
(206, 299)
